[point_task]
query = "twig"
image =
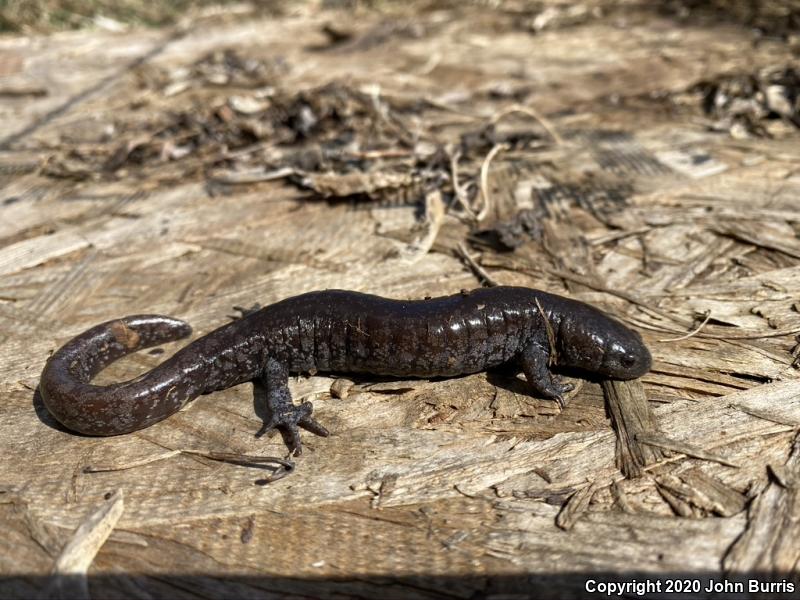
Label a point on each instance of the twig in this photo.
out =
(476, 268)
(485, 180)
(690, 334)
(256, 176)
(434, 216)
(133, 464)
(71, 567)
(284, 466)
(551, 337)
(750, 336)
(576, 506)
(682, 447)
(534, 114)
(457, 189)
(618, 235)
(444, 106)
(252, 148)
(764, 415)
(21, 91)
(591, 283)
(246, 460)
(379, 154)
(648, 326)
(430, 64)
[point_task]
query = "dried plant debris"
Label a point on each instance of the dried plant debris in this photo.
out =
(359, 184)
(330, 128)
(344, 38)
(620, 153)
(776, 18)
(553, 195)
(510, 234)
(564, 15)
(340, 113)
(769, 543)
(747, 104)
(377, 177)
(335, 140)
(696, 494)
(242, 125)
(482, 140)
(630, 415)
(224, 67)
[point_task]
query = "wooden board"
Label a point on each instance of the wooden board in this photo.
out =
(434, 489)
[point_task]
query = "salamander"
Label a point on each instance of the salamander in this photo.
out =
(341, 332)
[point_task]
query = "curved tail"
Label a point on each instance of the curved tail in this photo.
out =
(121, 407)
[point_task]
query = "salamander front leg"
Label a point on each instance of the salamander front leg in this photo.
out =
(534, 360)
(284, 415)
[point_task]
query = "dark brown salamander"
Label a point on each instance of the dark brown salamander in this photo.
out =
(335, 331)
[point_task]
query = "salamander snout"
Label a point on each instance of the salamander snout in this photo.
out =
(626, 356)
(593, 341)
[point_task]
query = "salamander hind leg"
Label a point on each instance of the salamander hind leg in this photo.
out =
(284, 415)
(535, 364)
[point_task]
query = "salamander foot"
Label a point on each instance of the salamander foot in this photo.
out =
(288, 419)
(535, 364)
(559, 388)
(273, 389)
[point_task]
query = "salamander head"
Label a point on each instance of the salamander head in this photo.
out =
(591, 340)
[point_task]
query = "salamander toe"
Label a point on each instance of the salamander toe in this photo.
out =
(288, 420)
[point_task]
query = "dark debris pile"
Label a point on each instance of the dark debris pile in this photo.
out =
(766, 18)
(231, 119)
(512, 233)
(228, 118)
(747, 104)
(227, 68)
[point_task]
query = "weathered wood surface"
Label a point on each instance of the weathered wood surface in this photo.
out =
(454, 488)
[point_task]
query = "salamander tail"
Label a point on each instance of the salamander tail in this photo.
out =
(117, 408)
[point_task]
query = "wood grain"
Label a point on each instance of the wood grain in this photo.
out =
(455, 488)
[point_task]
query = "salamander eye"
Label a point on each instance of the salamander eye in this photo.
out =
(628, 360)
